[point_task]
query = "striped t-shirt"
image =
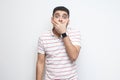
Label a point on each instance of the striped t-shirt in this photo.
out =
(58, 64)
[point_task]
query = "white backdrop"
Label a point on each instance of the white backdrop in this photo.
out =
(22, 21)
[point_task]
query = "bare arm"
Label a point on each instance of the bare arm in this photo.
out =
(40, 66)
(72, 50)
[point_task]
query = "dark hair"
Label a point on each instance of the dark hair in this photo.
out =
(62, 8)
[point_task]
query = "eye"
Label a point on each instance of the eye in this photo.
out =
(64, 16)
(56, 16)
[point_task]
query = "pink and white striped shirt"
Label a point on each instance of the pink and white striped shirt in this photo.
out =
(58, 64)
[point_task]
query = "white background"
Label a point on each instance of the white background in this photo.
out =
(22, 21)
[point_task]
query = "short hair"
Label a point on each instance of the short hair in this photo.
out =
(62, 8)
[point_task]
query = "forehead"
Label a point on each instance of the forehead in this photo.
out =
(60, 12)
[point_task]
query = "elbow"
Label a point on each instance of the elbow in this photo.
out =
(73, 59)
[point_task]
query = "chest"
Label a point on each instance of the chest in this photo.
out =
(54, 47)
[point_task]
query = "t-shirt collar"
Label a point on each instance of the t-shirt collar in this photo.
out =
(51, 31)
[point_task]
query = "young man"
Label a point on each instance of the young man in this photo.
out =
(58, 49)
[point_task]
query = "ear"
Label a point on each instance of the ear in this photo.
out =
(68, 21)
(51, 19)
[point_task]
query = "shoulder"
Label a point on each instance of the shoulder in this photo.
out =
(71, 30)
(45, 34)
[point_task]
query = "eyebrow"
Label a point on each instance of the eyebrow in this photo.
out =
(63, 14)
(56, 14)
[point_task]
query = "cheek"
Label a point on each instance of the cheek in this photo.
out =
(65, 21)
(56, 19)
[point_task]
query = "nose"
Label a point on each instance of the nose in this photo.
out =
(60, 19)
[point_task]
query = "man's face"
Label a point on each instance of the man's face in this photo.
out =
(61, 16)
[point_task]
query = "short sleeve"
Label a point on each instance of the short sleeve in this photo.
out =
(75, 37)
(40, 48)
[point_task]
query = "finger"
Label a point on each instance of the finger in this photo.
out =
(55, 24)
(58, 22)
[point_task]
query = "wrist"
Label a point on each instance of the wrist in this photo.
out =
(65, 34)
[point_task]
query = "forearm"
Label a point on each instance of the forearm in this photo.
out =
(39, 71)
(70, 49)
